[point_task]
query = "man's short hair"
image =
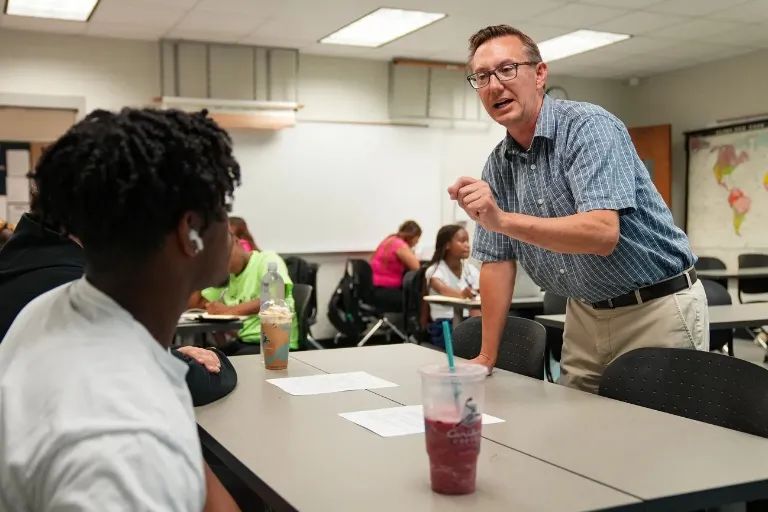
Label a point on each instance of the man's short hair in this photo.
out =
(494, 31)
(120, 182)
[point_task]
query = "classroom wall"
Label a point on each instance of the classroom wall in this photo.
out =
(356, 90)
(111, 73)
(694, 98)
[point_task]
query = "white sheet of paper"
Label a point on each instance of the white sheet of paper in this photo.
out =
(17, 162)
(330, 383)
(398, 421)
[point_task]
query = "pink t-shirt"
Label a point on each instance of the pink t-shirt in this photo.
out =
(387, 268)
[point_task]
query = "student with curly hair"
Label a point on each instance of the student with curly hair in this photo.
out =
(96, 414)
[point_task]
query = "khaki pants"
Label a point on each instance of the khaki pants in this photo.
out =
(595, 337)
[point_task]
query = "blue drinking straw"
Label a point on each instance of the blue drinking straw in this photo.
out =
(451, 363)
(449, 346)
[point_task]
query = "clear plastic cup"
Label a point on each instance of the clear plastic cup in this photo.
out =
(276, 320)
(453, 405)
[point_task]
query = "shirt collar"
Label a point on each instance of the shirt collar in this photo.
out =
(96, 306)
(545, 126)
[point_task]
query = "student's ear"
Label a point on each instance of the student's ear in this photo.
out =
(188, 234)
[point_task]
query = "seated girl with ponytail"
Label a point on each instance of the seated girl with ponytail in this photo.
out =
(450, 275)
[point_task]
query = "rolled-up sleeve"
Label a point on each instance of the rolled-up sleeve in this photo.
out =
(601, 168)
(490, 246)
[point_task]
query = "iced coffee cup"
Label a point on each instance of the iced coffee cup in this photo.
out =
(276, 319)
(453, 403)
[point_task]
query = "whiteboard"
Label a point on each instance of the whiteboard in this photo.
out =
(326, 187)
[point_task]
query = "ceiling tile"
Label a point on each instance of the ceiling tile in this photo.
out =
(580, 15)
(694, 7)
(623, 4)
(140, 13)
(696, 29)
(638, 22)
(222, 26)
(241, 7)
(665, 32)
(639, 44)
(755, 36)
(694, 50)
(755, 11)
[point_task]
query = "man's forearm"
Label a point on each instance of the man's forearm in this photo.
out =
(594, 232)
(497, 282)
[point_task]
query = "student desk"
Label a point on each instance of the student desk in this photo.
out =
(559, 449)
(297, 453)
(669, 462)
(459, 305)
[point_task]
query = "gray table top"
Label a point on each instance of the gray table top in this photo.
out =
(720, 317)
(743, 273)
(676, 463)
(298, 453)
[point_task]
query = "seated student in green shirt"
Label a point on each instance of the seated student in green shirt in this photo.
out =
(240, 296)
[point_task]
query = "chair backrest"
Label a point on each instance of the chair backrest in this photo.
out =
(703, 386)
(521, 349)
(303, 272)
(302, 293)
(344, 307)
(413, 303)
(554, 305)
(717, 295)
(362, 279)
(753, 285)
(711, 263)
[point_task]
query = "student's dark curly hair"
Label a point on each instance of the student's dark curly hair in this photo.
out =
(120, 182)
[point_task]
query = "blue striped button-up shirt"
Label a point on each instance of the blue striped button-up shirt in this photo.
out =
(582, 159)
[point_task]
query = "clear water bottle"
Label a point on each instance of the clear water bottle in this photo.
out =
(272, 285)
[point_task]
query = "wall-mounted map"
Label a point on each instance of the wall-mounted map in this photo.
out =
(728, 186)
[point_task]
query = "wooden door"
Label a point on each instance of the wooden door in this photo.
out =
(654, 146)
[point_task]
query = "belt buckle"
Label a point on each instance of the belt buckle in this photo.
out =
(610, 303)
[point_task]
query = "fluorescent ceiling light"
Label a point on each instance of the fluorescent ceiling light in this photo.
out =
(75, 10)
(381, 27)
(577, 42)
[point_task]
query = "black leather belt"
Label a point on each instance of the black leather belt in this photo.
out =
(654, 291)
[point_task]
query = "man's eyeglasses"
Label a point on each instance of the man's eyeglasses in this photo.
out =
(503, 73)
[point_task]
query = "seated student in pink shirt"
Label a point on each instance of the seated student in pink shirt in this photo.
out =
(393, 257)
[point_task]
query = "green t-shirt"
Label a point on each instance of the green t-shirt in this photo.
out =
(246, 286)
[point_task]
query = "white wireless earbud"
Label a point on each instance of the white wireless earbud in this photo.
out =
(194, 237)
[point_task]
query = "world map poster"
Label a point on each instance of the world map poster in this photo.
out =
(728, 186)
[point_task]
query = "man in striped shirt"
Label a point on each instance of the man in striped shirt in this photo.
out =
(566, 195)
